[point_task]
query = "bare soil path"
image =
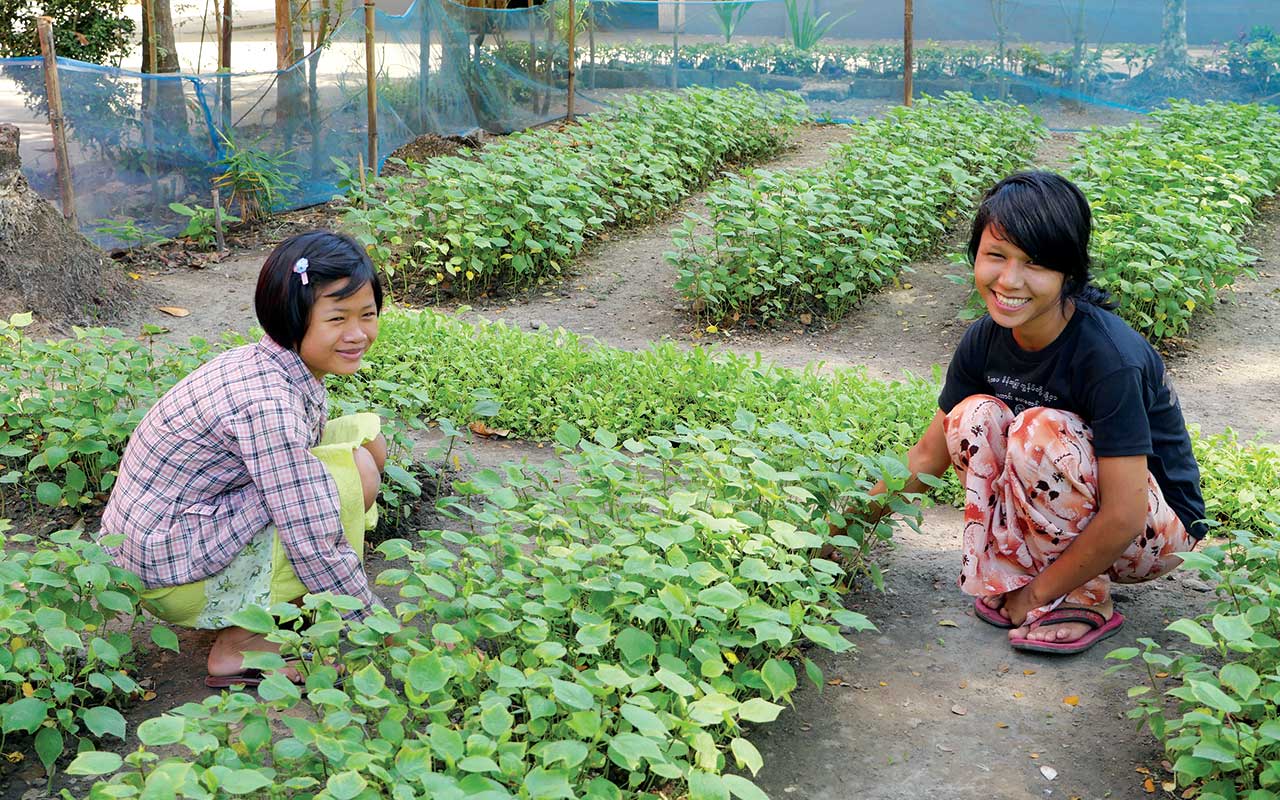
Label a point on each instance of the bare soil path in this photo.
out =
(935, 703)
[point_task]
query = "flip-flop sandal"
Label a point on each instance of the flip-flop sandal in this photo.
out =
(990, 615)
(1101, 628)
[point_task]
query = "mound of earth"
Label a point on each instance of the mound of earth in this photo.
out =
(46, 266)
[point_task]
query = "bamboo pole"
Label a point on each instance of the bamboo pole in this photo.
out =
(675, 48)
(44, 28)
(224, 62)
(573, 28)
(908, 44)
(149, 14)
(591, 42)
(371, 84)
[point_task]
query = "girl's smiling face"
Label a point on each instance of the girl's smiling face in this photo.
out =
(340, 331)
(1019, 294)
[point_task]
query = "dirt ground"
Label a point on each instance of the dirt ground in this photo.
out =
(935, 703)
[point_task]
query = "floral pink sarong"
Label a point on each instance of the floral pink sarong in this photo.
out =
(1031, 487)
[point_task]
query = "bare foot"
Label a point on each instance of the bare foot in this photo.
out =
(1061, 631)
(226, 656)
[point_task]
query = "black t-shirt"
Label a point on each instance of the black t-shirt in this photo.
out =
(1101, 369)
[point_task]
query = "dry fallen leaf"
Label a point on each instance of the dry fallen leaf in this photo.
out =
(1017, 695)
(1149, 786)
(946, 623)
(837, 682)
(174, 311)
(1034, 755)
(148, 696)
(805, 319)
(884, 683)
(14, 757)
(1162, 674)
(27, 689)
(1190, 792)
(1142, 770)
(479, 428)
(964, 684)
(1028, 672)
(1168, 786)
(135, 276)
(1049, 773)
(1002, 724)
(1072, 700)
(915, 674)
(959, 710)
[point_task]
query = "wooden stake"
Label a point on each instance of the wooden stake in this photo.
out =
(44, 27)
(217, 221)
(371, 85)
(908, 44)
(364, 187)
(573, 29)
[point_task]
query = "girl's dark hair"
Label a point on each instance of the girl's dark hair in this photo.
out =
(284, 303)
(1048, 218)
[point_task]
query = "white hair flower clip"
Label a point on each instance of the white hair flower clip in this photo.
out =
(300, 267)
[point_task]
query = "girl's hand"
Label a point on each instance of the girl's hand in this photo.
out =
(1018, 603)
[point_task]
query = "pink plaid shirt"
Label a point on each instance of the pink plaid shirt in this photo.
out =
(224, 454)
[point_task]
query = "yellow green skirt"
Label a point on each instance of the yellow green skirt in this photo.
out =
(260, 574)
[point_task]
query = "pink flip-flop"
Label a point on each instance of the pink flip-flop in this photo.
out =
(1101, 629)
(989, 615)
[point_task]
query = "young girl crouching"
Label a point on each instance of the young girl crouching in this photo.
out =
(1062, 425)
(235, 490)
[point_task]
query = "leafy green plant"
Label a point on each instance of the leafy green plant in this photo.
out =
(201, 226)
(641, 604)
(805, 28)
(519, 212)
(1171, 204)
(817, 241)
(1240, 480)
(256, 181)
(1215, 705)
(728, 15)
(127, 232)
(65, 661)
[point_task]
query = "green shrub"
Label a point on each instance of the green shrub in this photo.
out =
(641, 604)
(520, 212)
(1241, 480)
(817, 241)
(1216, 705)
(429, 365)
(1171, 204)
(65, 659)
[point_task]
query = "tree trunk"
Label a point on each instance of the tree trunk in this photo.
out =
(164, 103)
(1172, 58)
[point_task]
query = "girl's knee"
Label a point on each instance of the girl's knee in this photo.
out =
(377, 448)
(370, 475)
(982, 405)
(1041, 426)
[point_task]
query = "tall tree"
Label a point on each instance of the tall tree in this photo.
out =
(1172, 59)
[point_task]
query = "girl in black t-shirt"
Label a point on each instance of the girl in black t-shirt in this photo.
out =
(1060, 423)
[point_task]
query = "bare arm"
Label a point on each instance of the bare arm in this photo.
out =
(1122, 512)
(927, 456)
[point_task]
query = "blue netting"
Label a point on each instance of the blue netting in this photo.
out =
(139, 142)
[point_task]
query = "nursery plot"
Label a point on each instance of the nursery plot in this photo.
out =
(782, 244)
(1172, 204)
(520, 212)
